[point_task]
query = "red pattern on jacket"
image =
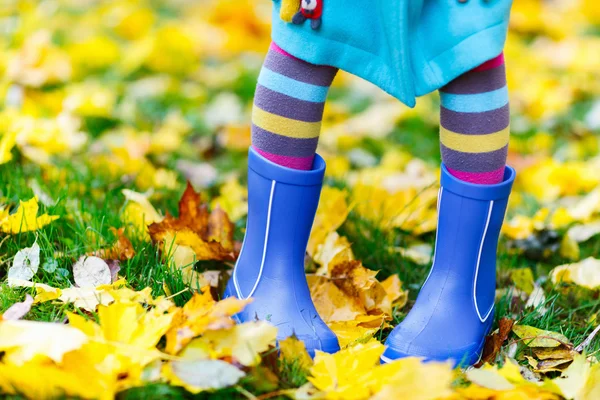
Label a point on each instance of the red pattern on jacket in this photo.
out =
(314, 13)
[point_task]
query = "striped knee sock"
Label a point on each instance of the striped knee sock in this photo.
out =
(288, 108)
(475, 124)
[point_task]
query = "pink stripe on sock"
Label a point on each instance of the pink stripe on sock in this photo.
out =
(493, 63)
(303, 163)
(280, 50)
(480, 178)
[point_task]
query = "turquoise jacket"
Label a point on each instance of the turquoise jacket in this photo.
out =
(407, 47)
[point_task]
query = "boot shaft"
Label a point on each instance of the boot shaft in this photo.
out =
(469, 221)
(282, 203)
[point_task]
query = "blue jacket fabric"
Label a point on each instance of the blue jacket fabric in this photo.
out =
(407, 47)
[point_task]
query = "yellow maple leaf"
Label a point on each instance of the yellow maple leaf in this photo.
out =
(233, 199)
(139, 213)
(25, 340)
(293, 350)
(7, 143)
(243, 343)
(361, 328)
(25, 219)
(585, 273)
(132, 330)
(332, 212)
(199, 315)
(355, 373)
(52, 381)
(353, 302)
(334, 250)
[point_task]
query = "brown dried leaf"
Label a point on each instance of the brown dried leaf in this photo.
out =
(121, 250)
(556, 353)
(209, 235)
(352, 302)
(220, 229)
(493, 342)
(546, 366)
(359, 282)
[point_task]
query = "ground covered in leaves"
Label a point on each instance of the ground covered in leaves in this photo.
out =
(124, 127)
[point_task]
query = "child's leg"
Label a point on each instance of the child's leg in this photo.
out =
(475, 122)
(282, 202)
(457, 297)
(288, 109)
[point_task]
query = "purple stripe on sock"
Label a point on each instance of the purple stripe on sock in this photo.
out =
(283, 145)
(477, 82)
(287, 106)
(299, 70)
(474, 162)
(481, 123)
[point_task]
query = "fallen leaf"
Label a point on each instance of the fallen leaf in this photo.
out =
(572, 381)
(534, 337)
(24, 340)
(91, 271)
(393, 291)
(87, 298)
(360, 329)
(536, 300)
(139, 213)
(331, 213)
(114, 267)
(292, 350)
(233, 199)
(7, 143)
(418, 253)
(523, 279)
(17, 310)
(25, 219)
(199, 315)
(545, 366)
(584, 232)
(121, 250)
(554, 353)
(494, 342)
(200, 375)
(585, 273)
(243, 342)
(209, 235)
(488, 378)
(200, 175)
(25, 264)
(569, 248)
(334, 250)
(355, 373)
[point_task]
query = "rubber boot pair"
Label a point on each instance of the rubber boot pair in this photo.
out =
(454, 310)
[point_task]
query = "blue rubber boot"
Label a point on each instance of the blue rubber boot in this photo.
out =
(281, 208)
(455, 307)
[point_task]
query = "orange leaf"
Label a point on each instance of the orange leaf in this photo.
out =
(209, 235)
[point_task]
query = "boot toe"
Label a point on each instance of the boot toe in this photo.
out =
(431, 349)
(327, 342)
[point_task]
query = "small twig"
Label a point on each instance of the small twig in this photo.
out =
(587, 340)
(272, 394)
(4, 240)
(245, 393)
(177, 294)
(532, 338)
